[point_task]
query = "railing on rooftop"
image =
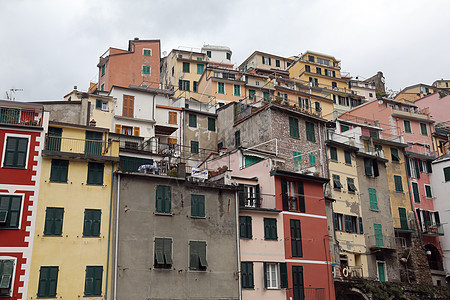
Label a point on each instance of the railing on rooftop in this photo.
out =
(17, 116)
(79, 146)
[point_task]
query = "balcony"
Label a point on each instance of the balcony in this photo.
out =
(250, 199)
(381, 242)
(351, 272)
(429, 228)
(83, 148)
(419, 149)
(404, 225)
(410, 112)
(17, 116)
(306, 293)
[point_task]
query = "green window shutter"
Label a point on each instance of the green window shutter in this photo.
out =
(265, 274)
(98, 104)
(15, 152)
(211, 124)
(403, 218)
(146, 69)
(428, 191)
(147, 52)
(368, 166)
(270, 229)
(95, 173)
(283, 275)
(6, 272)
(59, 170)
(296, 238)
(361, 228)
(394, 155)
(10, 207)
(221, 88)
(378, 235)
(333, 154)
(48, 279)
(93, 281)
(416, 195)
(197, 257)
(103, 70)
(163, 253)
(312, 159)
(310, 134)
(192, 120)
(194, 147)
(53, 221)
(266, 95)
(163, 198)
(293, 127)
(447, 174)
(200, 68)
(344, 128)
(423, 129)
(186, 67)
(373, 199)
(348, 157)
(247, 275)
(92, 222)
(398, 183)
(297, 156)
(407, 125)
(237, 138)
(245, 227)
(237, 90)
(198, 205)
(195, 86)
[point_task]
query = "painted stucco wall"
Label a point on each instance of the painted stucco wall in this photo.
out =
(437, 105)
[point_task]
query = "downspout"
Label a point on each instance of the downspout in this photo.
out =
(109, 230)
(237, 246)
(116, 237)
(153, 110)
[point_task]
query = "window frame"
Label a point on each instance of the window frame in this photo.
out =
(310, 131)
(296, 239)
(423, 129)
(211, 124)
(195, 147)
(446, 173)
(247, 275)
(9, 210)
(407, 128)
(54, 221)
(146, 52)
(200, 68)
(373, 199)
(16, 152)
(198, 206)
(398, 184)
(59, 171)
(192, 120)
(96, 286)
(351, 187)
(333, 154)
(245, 227)
(199, 255)
(220, 88)
(270, 269)
(92, 177)
(49, 291)
(186, 67)
(237, 138)
(173, 118)
(428, 192)
(166, 255)
(395, 157)
(270, 229)
(146, 70)
(163, 199)
(236, 90)
(93, 216)
(348, 157)
(7, 285)
(416, 196)
(337, 185)
(294, 130)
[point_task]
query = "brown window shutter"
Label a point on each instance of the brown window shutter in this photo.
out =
(125, 106)
(117, 128)
(172, 117)
(131, 107)
(136, 131)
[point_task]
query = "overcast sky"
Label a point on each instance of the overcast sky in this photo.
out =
(48, 46)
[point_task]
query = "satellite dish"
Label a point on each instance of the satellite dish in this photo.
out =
(380, 101)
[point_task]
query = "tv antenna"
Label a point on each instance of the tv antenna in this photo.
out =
(11, 95)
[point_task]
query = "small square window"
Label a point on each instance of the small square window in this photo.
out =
(147, 52)
(146, 69)
(59, 170)
(15, 153)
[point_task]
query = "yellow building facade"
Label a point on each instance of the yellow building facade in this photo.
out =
(414, 92)
(72, 251)
(221, 85)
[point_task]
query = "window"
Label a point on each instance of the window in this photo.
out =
(48, 280)
(323, 61)
(310, 58)
(100, 104)
(318, 70)
(271, 275)
(163, 253)
(247, 275)
(54, 139)
(297, 156)
(398, 183)
(333, 154)
(102, 87)
(371, 167)
(423, 129)
(344, 127)
(266, 60)
(296, 238)
(447, 174)
(338, 221)
(394, 155)
(428, 191)
(221, 88)
(211, 124)
(317, 107)
(303, 103)
(95, 173)
(415, 190)
(348, 157)
(197, 256)
(208, 53)
(127, 130)
(370, 95)
(195, 86)
(59, 170)
(200, 68)
(245, 227)
(307, 68)
(237, 138)
(103, 69)
(186, 67)
(172, 117)
(251, 94)
(293, 127)
(228, 56)
(163, 198)
(351, 185)
(192, 120)
(351, 225)
(10, 211)
(378, 235)
(194, 147)
(237, 90)
(6, 276)
(413, 167)
(407, 125)
(403, 218)
(373, 134)
(266, 95)
(93, 281)
(147, 52)
(290, 198)
(337, 182)
(92, 221)
(184, 85)
(53, 221)
(312, 159)
(270, 229)
(310, 136)
(15, 152)
(198, 206)
(146, 69)
(373, 199)
(128, 106)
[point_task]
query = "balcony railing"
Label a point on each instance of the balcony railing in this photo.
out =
(401, 224)
(306, 293)
(382, 241)
(421, 150)
(432, 229)
(16, 116)
(78, 146)
(254, 200)
(349, 272)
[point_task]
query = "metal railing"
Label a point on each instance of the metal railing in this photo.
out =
(432, 228)
(256, 200)
(381, 241)
(421, 150)
(17, 116)
(306, 293)
(80, 146)
(349, 272)
(404, 224)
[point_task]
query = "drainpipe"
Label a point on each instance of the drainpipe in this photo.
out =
(237, 246)
(116, 237)
(109, 230)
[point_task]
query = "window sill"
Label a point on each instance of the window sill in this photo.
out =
(248, 288)
(348, 164)
(197, 217)
(163, 214)
(94, 184)
(334, 160)
(352, 192)
(91, 236)
(162, 269)
(265, 239)
(374, 209)
(50, 181)
(52, 235)
(11, 167)
(272, 288)
(400, 192)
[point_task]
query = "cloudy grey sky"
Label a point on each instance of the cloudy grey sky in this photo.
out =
(48, 46)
